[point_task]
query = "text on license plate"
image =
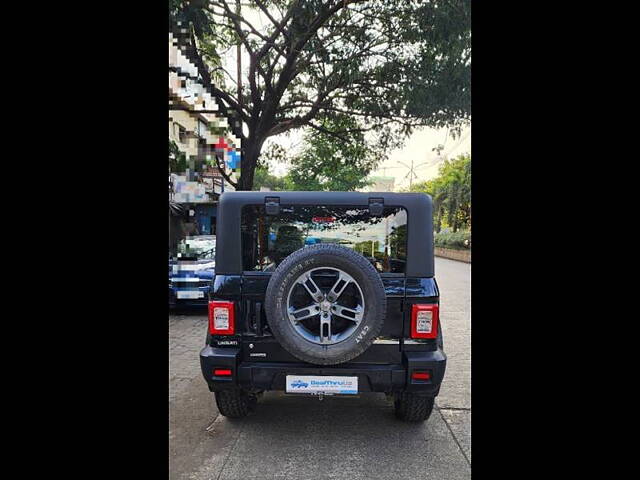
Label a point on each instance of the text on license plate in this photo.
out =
(189, 294)
(322, 384)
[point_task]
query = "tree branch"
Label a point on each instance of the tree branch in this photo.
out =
(193, 55)
(279, 25)
(236, 19)
(300, 120)
(271, 43)
(223, 173)
(233, 103)
(288, 72)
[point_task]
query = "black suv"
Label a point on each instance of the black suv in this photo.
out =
(324, 293)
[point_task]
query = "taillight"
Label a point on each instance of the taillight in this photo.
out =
(222, 372)
(421, 375)
(424, 321)
(221, 318)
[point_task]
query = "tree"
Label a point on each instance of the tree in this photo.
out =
(451, 193)
(177, 159)
(333, 166)
(274, 155)
(323, 164)
(386, 66)
(264, 178)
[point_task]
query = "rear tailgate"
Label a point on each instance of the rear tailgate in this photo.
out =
(259, 345)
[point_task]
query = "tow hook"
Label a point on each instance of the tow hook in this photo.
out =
(320, 396)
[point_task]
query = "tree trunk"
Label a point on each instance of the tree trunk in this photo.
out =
(245, 182)
(248, 164)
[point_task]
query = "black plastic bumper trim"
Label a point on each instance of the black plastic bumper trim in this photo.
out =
(371, 377)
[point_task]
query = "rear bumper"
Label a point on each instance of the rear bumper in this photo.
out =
(371, 377)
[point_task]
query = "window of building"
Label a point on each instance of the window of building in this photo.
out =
(182, 134)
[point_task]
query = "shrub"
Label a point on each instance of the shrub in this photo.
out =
(460, 240)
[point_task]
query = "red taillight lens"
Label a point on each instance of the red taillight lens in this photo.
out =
(424, 321)
(222, 372)
(221, 318)
(421, 375)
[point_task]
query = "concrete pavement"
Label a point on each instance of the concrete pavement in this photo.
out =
(454, 401)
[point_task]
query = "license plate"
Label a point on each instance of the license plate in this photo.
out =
(189, 294)
(322, 384)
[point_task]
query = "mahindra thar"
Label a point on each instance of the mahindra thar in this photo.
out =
(324, 293)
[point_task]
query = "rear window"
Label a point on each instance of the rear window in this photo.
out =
(267, 239)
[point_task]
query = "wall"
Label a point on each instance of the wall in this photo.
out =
(460, 255)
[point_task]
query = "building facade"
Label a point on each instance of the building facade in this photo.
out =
(200, 131)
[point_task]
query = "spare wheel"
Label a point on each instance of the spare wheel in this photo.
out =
(325, 304)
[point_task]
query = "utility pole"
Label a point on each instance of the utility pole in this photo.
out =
(412, 173)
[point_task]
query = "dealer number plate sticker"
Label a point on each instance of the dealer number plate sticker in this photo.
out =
(322, 384)
(189, 294)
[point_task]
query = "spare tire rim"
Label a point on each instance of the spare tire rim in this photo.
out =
(333, 305)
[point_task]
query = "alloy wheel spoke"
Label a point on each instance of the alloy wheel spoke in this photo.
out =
(356, 313)
(312, 311)
(342, 282)
(317, 295)
(325, 320)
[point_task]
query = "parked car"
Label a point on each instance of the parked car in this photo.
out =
(319, 318)
(191, 273)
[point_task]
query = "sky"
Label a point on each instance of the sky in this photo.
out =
(418, 147)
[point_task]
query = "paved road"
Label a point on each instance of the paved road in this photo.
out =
(337, 438)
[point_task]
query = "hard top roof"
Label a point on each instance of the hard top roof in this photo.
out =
(419, 220)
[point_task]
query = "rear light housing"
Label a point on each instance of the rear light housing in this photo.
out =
(424, 321)
(221, 318)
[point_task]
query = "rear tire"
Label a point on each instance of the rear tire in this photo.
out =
(411, 407)
(235, 403)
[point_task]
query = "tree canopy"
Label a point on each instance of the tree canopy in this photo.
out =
(451, 193)
(264, 178)
(323, 164)
(326, 164)
(338, 67)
